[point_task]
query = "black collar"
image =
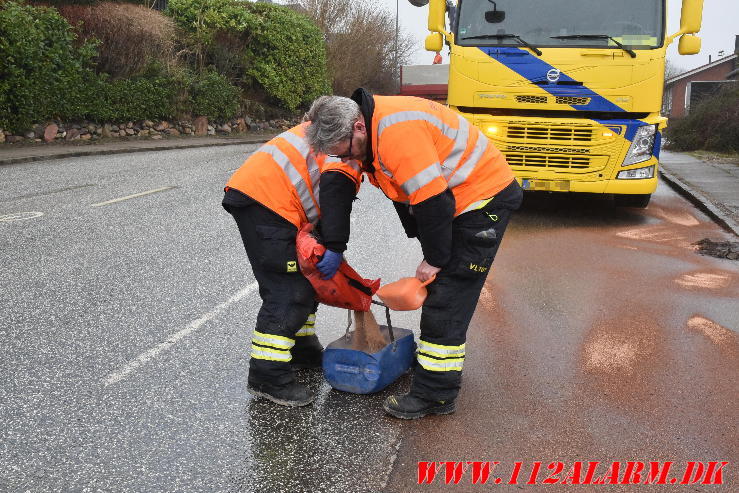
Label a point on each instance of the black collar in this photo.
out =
(366, 103)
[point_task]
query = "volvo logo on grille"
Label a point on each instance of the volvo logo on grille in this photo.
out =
(553, 75)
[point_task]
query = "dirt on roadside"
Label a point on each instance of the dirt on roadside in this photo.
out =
(716, 157)
(718, 249)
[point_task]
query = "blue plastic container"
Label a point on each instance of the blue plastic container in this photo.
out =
(358, 372)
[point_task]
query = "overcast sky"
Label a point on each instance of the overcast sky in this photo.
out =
(720, 25)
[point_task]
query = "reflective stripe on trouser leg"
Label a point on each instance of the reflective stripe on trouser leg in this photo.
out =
(308, 328)
(438, 357)
(271, 347)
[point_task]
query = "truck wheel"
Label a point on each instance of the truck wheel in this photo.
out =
(639, 200)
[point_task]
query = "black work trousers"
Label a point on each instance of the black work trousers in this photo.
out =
(287, 296)
(453, 296)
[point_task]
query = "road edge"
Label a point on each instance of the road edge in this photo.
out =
(125, 150)
(697, 198)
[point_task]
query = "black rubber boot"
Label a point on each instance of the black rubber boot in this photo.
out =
(307, 352)
(408, 406)
(291, 394)
(275, 380)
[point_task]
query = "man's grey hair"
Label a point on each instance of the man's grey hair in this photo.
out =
(332, 119)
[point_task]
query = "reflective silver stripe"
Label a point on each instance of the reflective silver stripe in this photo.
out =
(307, 328)
(406, 116)
(383, 168)
(279, 342)
(296, 141)
(302, 146)
(306, 331)
(460, 145)
(459, 135)
(421, 179)
(295, 178)
(464, 171)
(440, 365)
(272, 355)
(314, 171)
(439, 350)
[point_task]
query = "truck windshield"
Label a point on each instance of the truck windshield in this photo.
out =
(636, 24)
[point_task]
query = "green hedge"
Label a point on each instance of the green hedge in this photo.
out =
(46, 73)
(133, 99)
(279, 51)
(213, 96)
(42, 73)
(165, 96)
(288, 55)
(713, 125)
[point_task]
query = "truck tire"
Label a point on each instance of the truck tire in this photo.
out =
(638, 200)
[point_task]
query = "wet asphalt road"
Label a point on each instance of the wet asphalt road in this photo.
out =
(601, 336)
(125, 329)
(125, 334)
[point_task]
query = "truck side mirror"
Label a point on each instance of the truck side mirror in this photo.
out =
(691, 15)
(437, 9)
(434, 42)
(689, 45)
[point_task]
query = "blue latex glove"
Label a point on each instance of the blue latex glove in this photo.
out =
(329, 264)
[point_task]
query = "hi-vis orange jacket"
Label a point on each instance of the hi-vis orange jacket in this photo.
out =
(283, 176)
(421, 148)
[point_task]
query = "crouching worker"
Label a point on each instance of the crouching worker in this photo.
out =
(271, 196)
(452, 189)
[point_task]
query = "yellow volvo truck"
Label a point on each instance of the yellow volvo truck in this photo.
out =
(569, 90)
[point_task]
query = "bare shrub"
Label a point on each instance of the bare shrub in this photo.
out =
(713, 125)
(360, 44)
(672, 70)
(131, 36)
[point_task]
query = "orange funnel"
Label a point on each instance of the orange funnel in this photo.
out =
(405, 294)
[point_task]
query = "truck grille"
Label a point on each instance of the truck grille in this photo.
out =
(549, 150)
(544, 132)
(569, 100)
(550, 161)
(531, 99)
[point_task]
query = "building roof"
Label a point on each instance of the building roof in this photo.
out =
(700, 69)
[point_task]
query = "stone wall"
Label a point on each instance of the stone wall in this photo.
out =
(56, 131)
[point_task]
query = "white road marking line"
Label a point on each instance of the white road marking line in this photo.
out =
(131, 196)
(144, 358)
(20, 216)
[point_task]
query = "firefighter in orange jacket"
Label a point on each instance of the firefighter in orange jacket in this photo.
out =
(271, 196)
(452, 189)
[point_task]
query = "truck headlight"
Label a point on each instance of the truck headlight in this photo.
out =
(492, 130)
(636, 174)
(642, 145)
